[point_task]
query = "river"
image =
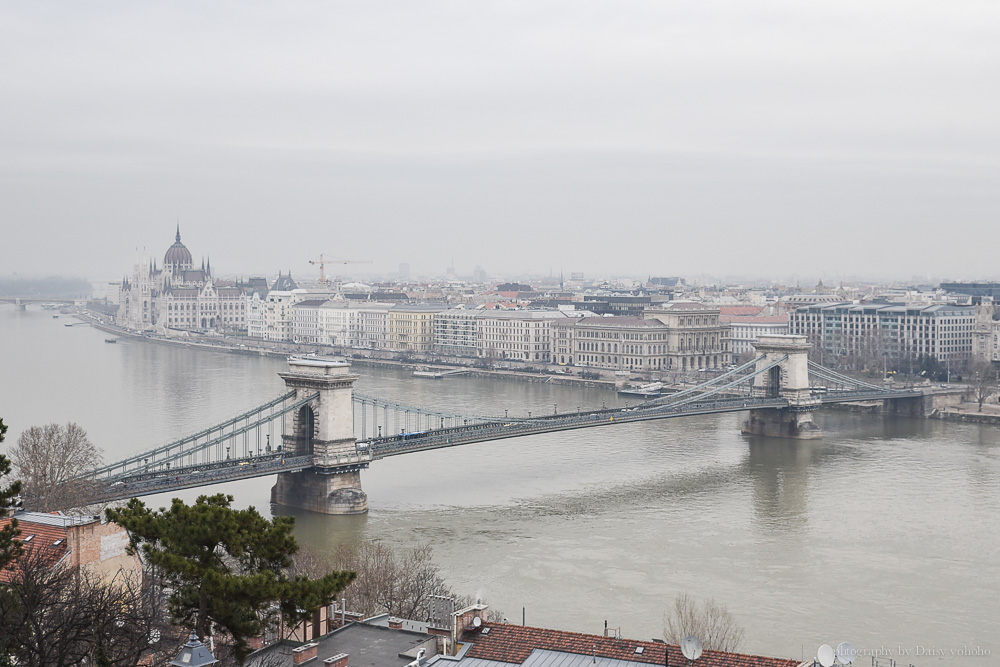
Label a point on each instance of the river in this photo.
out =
(885, 533)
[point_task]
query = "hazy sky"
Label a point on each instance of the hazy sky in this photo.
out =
(707, 136)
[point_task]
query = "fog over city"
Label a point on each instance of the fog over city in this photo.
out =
(725, 138)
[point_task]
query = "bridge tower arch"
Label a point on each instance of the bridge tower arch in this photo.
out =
(323, 429)
(788, 380)
(303, 432)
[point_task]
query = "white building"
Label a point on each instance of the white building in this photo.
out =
(307, 326)
(611, 343)
(518, 334)
(371, 330)
(859, 333)
(455, 332)
(179, 296)
(746, 323)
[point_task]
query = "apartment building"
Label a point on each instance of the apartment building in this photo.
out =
(270, 317)
(455, 332)
(850, 331)
(746, 323)
(523, 335)
(410, 326)
(611, 343)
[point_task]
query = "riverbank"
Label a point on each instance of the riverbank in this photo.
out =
(242, 345)
(959, 410)
(969, 413)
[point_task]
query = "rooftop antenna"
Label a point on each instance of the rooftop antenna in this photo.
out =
(691, 648)
(825, 655)
(846, 653)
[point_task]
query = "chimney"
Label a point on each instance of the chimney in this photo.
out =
(304, 653)
(395, 623)
(337, 661)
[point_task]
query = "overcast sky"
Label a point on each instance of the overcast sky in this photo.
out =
(767, 138)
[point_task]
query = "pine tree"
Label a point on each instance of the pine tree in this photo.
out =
(10, 548)
(227, 568)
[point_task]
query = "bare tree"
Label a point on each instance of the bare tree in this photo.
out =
(57, 615)
(983, 380)
(50, 460)
(710, 622)
(398, 582)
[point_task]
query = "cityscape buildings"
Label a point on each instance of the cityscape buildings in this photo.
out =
(666, 324)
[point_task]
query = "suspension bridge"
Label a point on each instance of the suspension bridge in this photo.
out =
(319, 435)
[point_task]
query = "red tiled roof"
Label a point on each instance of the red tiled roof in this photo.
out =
(45, 537)
(514, 643)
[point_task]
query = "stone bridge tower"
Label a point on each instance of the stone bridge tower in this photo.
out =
(788, 380)
(323, 429)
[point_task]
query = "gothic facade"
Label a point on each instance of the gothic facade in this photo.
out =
(179, 296)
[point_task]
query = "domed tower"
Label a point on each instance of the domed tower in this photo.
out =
(176, 262)
(178, 257)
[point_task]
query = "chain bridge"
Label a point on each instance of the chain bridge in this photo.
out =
(319, 435)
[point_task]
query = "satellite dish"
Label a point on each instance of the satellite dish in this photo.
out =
(825, 655)
(846, 653)
(476, 622)
(691, 647)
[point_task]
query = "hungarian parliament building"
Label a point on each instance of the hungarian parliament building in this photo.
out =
(178, 295)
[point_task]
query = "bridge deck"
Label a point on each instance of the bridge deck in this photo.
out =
(515, 428)
(196, 476)
(148, 481)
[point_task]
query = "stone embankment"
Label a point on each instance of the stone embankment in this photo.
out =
(958, 411)
(242, 345)
(970, 413)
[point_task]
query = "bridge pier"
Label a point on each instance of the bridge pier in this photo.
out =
(324, 430)
(313, 490)
(782, 423)
(788, 380)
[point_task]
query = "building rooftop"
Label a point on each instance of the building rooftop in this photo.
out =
(500, 645)
(682, 305)
(740, 310)
(754, 319)
(43, 534)
(622, 321)
(365, 645)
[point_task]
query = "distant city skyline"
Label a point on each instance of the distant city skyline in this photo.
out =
(665, 138)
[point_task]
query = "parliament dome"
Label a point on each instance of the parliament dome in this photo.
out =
(178, 255)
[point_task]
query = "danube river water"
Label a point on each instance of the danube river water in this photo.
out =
(885, 533)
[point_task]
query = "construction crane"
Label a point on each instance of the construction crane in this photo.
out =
(324, 260)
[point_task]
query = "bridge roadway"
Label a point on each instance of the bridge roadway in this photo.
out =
(173, 479)
(514, 428)
(147, 484)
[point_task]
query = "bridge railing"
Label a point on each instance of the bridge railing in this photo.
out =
(840, 379)
(381, 447)
(845, 395)
(186, 449)
(704, 385)
(195, 476)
